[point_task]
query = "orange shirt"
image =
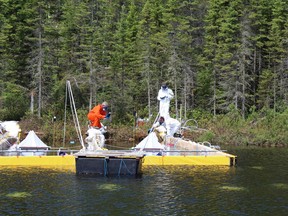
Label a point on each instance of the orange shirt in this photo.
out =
(95, 115)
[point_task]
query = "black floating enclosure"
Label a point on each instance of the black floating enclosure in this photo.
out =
(108, 166)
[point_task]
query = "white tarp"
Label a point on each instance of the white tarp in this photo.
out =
(150, 142)
(12, 128)
(9, 131)
(32, 141)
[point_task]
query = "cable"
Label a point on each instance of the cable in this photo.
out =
(74, 114)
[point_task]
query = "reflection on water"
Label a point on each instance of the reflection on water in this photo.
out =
(257, 186)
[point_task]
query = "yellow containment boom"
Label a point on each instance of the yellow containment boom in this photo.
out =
(150, 160)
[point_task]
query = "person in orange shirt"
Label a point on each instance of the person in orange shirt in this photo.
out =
(97, 113)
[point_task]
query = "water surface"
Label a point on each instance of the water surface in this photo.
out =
(257, 186)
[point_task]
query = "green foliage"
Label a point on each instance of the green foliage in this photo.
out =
(225, 58)
(264, 128)
(204, 89)
(266, 89)
(206, 136)
(14, 102)
(201, 116)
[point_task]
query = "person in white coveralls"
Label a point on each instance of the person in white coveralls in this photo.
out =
(165, 94)
(160, 129)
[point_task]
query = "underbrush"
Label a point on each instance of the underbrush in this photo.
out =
(265, 128)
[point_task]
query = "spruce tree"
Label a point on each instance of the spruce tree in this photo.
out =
(152, 51)
(277, 51)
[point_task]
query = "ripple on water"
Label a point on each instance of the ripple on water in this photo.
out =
(280, 186)
(257, 167)
(18, 195)
(232, 188)
(257, 186)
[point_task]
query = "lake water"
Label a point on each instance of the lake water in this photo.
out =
(257, 186)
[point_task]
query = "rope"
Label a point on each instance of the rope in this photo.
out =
(122, 161)
(74, 115)
(105, 167)
(120, 168)
(64, 128)
(118, 147)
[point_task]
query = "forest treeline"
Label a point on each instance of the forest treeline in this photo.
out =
(217, 55)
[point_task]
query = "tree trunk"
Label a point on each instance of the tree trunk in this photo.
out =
(243, 87)
(91, 83)
(32, 102)
(214, 93)
(39, 71)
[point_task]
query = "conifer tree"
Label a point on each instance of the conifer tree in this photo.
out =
(5, 43)
(123, 62)
(212, 30)
(245, 57)
(152, 53)
(223, 30)
(276, 49)
(217, 54)
(260, 17)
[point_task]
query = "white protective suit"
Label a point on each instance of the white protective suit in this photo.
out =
(160, 130)
(172, 126)
(95, 139)
(164, 96)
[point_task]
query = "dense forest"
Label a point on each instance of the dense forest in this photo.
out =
(217, 55)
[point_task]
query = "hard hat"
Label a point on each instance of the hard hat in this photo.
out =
(105, 104)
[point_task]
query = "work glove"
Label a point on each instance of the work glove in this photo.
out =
(108, 115)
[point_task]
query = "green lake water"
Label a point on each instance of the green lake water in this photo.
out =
(257, 186)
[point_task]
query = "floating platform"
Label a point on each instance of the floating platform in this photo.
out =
(108, 163)
(148, 160)
(179, 152)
